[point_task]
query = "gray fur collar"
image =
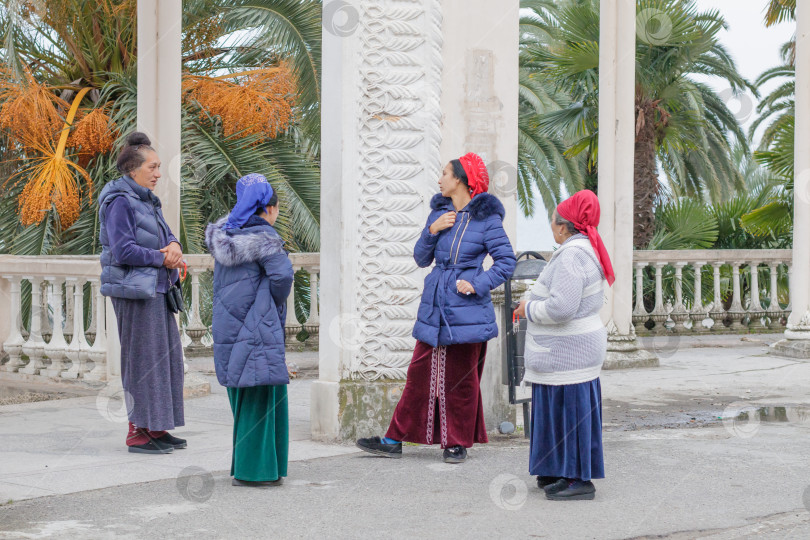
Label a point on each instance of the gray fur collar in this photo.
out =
(240, 246)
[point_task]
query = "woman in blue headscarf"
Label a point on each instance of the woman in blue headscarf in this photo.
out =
(252, 279)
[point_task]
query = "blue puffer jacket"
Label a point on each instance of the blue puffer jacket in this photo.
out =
(133, 281)
(445, 316)
(252, 279)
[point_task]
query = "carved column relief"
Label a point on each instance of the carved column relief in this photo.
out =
(399, 130)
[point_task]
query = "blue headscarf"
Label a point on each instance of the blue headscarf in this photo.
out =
(252, 192)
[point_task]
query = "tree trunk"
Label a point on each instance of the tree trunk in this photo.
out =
(645, 174)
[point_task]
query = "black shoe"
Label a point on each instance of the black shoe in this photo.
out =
(543, 481)
(154, 446)
(374, 445)
(175, 442)
(575, 491)
(248, 483)
(559, 485)
(455, 454)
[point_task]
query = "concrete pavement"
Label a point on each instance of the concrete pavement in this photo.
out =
(674, 468)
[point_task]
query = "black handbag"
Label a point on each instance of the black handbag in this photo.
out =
(174, 298)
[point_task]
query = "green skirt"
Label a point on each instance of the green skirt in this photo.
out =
(261, 433)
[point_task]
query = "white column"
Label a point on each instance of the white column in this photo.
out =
(407, 86)
(159, 81)
(799, 320)
(617, 75)
(797, 334)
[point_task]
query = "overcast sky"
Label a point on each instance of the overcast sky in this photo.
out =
(754, 49)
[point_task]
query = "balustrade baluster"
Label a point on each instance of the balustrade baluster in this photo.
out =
(659, 313)
(292, 326)
(195, 329)
(312, 325)
(98, 352)
(56, 349)
(736, 312)
(77, 349)
(755, 310)
(34, 347)
(640, 315)
(698, 313)
(679, 313)
(13, 345)
(717, 312)
(774, 311)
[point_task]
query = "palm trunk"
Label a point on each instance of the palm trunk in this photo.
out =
(645, 174)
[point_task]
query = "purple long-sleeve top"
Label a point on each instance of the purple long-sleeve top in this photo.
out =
(120, 223)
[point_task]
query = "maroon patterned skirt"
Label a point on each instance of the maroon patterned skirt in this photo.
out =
(441, 402)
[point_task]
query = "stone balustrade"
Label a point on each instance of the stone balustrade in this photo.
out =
(689, 291)
(197, 325)
(59, 338)
(675, 291)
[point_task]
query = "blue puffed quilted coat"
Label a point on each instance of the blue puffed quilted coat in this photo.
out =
(252, 279)
(445, 316)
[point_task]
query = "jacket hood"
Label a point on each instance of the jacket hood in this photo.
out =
(240, 246)
(481, 206)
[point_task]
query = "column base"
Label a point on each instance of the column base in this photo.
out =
(625, 352)
(792, 348)
(349, 410)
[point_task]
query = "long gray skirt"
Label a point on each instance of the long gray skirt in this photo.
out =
(151, 362)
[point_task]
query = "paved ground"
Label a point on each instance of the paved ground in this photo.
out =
(674, 468)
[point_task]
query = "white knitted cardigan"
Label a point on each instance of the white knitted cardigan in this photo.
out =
(566, 341)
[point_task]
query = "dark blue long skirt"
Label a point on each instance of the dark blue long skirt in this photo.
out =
(566, 431)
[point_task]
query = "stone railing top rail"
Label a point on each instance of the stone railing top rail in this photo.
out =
(85, 266)
(713, 255)
(88, 267)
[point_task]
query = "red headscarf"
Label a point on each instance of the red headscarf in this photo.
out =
(477, 175)
(582, 209)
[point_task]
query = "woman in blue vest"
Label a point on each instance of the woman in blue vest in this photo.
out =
(441, 402)
(139, 261)
(252, 278)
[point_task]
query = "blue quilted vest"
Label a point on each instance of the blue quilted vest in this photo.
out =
(121, 280)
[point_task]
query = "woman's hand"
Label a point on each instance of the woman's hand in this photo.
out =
(173, 256)
(464, 287)
(445, 221)
(520, 311)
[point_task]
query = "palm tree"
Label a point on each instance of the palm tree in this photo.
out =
(777, 111)
(780, 11)
(71, 65)
(542, 163)
(681, 124)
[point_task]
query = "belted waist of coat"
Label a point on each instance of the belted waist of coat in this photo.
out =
(441, 286)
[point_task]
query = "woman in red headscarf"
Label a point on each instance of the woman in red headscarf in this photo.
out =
(441, 402)
(564, 351)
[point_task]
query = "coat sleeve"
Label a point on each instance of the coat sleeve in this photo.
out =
(500, 249)
(426, 245)
(565, 292)
(121, 232)
(280, 271)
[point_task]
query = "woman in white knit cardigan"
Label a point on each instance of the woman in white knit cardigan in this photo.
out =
(565, 349)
